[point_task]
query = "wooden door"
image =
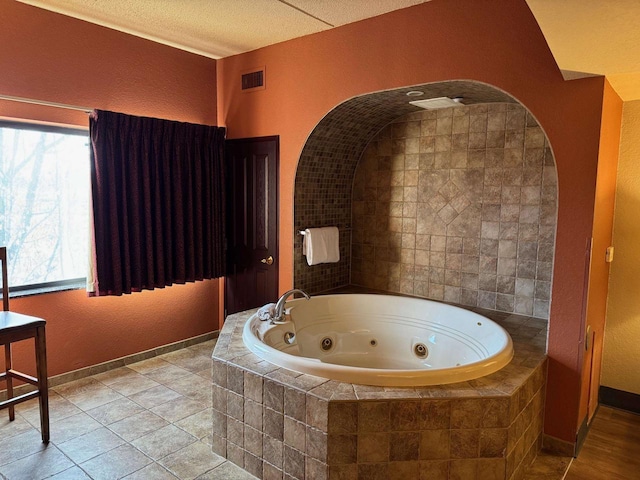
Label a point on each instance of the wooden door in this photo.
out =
(252, 223)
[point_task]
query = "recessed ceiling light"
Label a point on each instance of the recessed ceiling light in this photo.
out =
(414, 93)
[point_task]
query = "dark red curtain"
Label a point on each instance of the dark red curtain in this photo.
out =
(158, 202)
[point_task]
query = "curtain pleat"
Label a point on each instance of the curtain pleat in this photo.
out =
(158, 202)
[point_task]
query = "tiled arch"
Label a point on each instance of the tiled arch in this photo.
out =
(324, 185)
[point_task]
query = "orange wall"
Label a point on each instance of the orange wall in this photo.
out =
(602, 238)
(47, 56)
(84, 331)
(494, 41)
(51, 57)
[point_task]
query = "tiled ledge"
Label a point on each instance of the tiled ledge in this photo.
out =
(277, 423)
(527, 333)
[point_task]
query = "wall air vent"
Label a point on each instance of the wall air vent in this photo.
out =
(253, 80)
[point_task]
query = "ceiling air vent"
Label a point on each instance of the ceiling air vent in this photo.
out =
(440, 102)
(253, 80)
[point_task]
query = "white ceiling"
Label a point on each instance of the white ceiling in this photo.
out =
(594, 37)
(586, 37)
(220, 28)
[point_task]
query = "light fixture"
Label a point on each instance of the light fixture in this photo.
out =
(440, 102)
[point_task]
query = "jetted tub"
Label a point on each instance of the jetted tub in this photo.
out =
(381, 340)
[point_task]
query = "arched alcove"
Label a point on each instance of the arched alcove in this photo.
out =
(455, 204)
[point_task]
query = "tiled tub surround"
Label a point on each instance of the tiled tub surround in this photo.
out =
(278, 424)
(458, 204)
(324, 178)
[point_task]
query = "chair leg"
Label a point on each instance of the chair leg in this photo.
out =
(8, 366)
(43, 383)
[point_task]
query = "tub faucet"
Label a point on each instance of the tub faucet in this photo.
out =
(279, 313)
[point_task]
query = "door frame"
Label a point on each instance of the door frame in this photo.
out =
(223, 290)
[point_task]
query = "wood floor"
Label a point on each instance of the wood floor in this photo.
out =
(611, 450)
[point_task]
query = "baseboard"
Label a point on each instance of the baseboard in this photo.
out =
(112, 364)
(582, 435)
(557, 446)
(619, 399)
(606, 396)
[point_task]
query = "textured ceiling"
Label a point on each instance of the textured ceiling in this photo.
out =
(220, 28)
(587, 37)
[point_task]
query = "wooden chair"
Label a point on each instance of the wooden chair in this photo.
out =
(13, 328)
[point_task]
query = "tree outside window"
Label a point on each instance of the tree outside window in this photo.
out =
(44, 203)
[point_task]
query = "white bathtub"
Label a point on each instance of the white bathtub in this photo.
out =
(381, 340)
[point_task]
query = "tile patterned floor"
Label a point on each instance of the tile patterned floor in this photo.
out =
(548, 467)
(149, 420)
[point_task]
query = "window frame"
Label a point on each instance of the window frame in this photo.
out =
(57, 285)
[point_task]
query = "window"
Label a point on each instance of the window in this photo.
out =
(44, 204)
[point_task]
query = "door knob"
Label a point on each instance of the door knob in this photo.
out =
(268, 260)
